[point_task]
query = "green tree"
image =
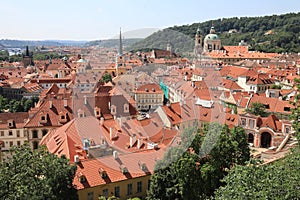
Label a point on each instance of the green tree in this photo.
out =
(194, 169)
(106, 78)
(257, 109)
(36, 175)
(295, 117)
(3, 103)
(274, 181)
(276, 86)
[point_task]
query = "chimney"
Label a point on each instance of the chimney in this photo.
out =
(110, 133)
(115, 155)
(85, 100)
(65, 103)
(131, 141)
(109, 105)
(101, 121)
(50, 104)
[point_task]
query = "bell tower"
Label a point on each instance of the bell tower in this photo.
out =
(198, 44)
(27, 58)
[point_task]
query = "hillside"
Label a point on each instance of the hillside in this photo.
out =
(276, 33)
(113, 43)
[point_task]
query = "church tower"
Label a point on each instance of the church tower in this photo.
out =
(120, 44)
(198, 44)
(27, 58)
(120, 58)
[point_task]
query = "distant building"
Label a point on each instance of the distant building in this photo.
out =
(27, 58)
(149, 96)
(12, 132)
(265, 131)
(212, 41)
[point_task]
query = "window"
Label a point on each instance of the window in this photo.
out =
(126, 108)
(34, 134)
(11, 143)
(2, 133)
(117, 191)
(35, 145)
(139, 186)
(18, 133)
(105, 193)
(10, 133)
(129, 189)
(19, 143)
(91, 196)
(45, 131)
(287, 129)
(243, 121)
(149, 184)
(251, 123)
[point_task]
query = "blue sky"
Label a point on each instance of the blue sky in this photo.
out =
(99, 19)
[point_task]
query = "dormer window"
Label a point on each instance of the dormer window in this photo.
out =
(80, 113)
(126, 108)
(102, 173)
(43, 118)
(63, 117)
(10, 123)
(123, 169)
(113, 110)
(81, 177)
(97, 112)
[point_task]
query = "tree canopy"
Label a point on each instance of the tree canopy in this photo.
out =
(194, 169)
(273, 181)
(257, 109)
(276, 33)
(14, 105)
(106, 78)
(36, 175)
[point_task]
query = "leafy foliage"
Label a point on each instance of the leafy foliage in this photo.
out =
(273, 181)
(257, 109)
(296, 111)
(106, 78)
(14, 105)
(113, 43)
(283, 36)
(183, 174)
(36, 175)
(45, 56)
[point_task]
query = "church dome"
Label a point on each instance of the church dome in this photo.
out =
(211, 36)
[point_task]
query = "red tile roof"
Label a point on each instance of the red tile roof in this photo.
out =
(18, 119)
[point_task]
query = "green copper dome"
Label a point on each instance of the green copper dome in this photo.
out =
(211, 36)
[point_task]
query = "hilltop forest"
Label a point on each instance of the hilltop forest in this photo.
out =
(276, 33)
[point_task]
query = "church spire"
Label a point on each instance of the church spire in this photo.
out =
(27, 51)
(120, 44)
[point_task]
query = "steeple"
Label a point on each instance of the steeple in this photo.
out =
(120, 44)
(27, 51)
